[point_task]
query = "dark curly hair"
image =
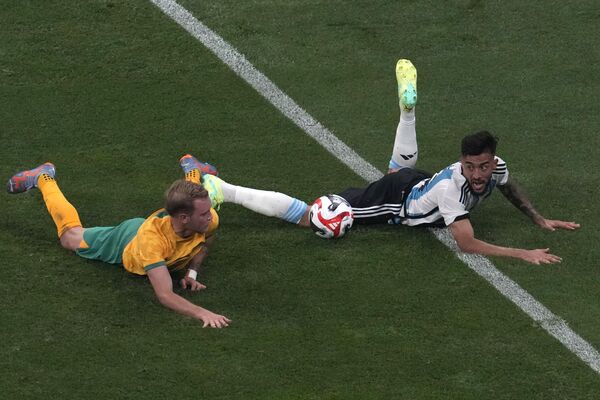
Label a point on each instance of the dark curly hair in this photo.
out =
(478, 143)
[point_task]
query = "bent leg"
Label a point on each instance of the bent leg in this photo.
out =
(71, 239)
(404, 154)
(63, 213)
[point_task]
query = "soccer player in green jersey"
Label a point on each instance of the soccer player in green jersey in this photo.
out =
(171, 239)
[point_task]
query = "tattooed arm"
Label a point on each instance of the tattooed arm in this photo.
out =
(515, 194)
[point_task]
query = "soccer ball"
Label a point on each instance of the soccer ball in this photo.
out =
(331, 216)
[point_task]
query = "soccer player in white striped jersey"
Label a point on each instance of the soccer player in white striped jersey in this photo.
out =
(411, 197)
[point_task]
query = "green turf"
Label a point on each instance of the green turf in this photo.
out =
(114, 92)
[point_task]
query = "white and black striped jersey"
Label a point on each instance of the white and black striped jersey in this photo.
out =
(446, 197)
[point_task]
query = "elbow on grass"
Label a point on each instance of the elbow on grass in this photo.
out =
(467, 247)
(164, 299)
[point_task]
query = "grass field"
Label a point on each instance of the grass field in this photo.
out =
(114, 92)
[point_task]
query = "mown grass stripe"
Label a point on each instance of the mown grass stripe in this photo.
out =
(554, 325)
(266, 88)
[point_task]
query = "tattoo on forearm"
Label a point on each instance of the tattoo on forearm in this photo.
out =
(517, 196)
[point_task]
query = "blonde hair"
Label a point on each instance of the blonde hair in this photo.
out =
(180, 197)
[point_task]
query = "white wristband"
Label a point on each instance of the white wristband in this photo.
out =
(191, 273)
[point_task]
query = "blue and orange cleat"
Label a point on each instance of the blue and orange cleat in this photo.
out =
(189, 163)
(406, 75)
(27, 180)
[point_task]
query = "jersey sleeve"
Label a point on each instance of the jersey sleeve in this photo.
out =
(152, 250)
(152, 254)
(500, 174)
(450, 206)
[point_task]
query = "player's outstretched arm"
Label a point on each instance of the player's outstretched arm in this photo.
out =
(163, 288)
(554, 224)
(194, 267)
(516, 195)
(465, 239)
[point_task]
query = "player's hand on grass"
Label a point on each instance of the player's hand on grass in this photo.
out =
(540, 256)
(192, 284)
(553, 224)
(214, 320)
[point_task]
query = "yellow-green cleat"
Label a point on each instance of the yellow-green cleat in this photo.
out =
(406, 75)
(212, 184)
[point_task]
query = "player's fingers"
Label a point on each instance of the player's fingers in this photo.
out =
(547, 225)
(566, 225)
(533, 260)
(183, 283)
(551, 259)
(205, 324)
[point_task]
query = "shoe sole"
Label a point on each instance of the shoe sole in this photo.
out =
(406, 76)
(204, 168)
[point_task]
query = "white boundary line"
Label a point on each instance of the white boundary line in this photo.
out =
(554, 325)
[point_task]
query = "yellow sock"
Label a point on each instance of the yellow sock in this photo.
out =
(193, 176)
(62, 212)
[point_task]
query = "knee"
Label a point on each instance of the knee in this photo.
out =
(71, 239)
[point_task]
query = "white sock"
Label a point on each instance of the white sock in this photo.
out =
(271, 204)
(405, 151)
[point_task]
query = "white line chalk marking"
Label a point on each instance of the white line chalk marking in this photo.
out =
(554, 325)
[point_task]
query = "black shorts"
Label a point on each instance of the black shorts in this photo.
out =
(382, 200)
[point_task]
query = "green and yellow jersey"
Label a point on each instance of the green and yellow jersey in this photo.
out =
(142, 244)
(156, 243)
